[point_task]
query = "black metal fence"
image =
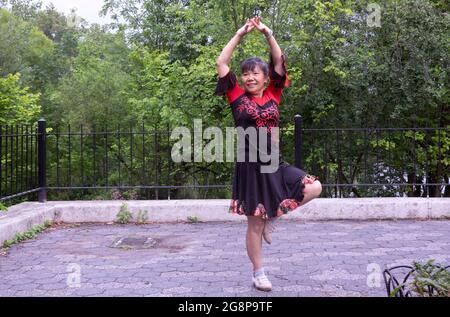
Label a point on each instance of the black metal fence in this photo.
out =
(135, 162)
(18, 161)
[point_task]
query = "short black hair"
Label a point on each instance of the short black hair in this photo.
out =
(249, 64)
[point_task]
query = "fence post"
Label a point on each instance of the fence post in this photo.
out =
(298, 140)
(42, 194)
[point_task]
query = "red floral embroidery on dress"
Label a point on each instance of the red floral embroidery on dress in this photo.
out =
(260, 211)
(264, 117)
(238, 207)
(286, 206)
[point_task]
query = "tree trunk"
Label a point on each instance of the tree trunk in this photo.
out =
(434, 189)
(415, 188)
(447, 187)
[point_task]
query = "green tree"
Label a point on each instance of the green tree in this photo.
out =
(23, 48)
(95, 92)
(17, 104)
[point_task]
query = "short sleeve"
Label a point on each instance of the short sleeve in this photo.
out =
(277, 82)
(228, 85)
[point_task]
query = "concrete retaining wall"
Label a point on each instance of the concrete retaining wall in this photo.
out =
(22, 217)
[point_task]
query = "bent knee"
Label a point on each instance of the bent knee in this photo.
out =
(318, 187)
(314, 189)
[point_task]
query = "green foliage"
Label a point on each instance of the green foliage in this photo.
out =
(96, 91)
(17, 103)
(3, 207)
(124, 215)
(427, 276)
(431, 275)
(157, 66)
(142, 216)
(193, 219)
(29, 234)
(23, 47)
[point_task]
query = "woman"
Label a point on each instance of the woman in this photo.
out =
(262, 197)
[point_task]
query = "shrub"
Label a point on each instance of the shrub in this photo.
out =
(422, 280)
(124, 215)
(142, 216)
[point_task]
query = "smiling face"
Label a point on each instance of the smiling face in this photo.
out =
(254, 75)
(254, 81)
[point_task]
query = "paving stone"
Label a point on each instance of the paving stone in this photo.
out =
(209, 259)
(89, 292)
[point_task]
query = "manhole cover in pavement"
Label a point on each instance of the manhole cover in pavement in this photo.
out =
(134, 243)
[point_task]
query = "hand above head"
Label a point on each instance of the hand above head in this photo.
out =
(248, 26)
(256, 21)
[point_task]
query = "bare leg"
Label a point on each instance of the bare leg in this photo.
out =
(254, 241)
(256, 224)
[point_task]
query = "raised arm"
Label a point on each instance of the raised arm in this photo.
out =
(275, 49)
(225, 56)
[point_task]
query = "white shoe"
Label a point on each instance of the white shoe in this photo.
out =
(262, 283)
(269, 228)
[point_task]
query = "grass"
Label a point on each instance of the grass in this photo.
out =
(142, 216)
(193, 219)
(29, 234)
(3, 208)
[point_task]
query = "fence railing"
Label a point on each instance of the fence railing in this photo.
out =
(18, 161)
(135, 162)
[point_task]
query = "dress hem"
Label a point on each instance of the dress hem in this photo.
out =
(286, 206)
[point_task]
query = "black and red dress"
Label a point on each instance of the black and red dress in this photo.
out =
(254, 193)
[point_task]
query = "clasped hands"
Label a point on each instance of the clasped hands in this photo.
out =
(251, 24)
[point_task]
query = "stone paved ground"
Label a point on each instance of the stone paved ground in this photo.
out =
(331, 258)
